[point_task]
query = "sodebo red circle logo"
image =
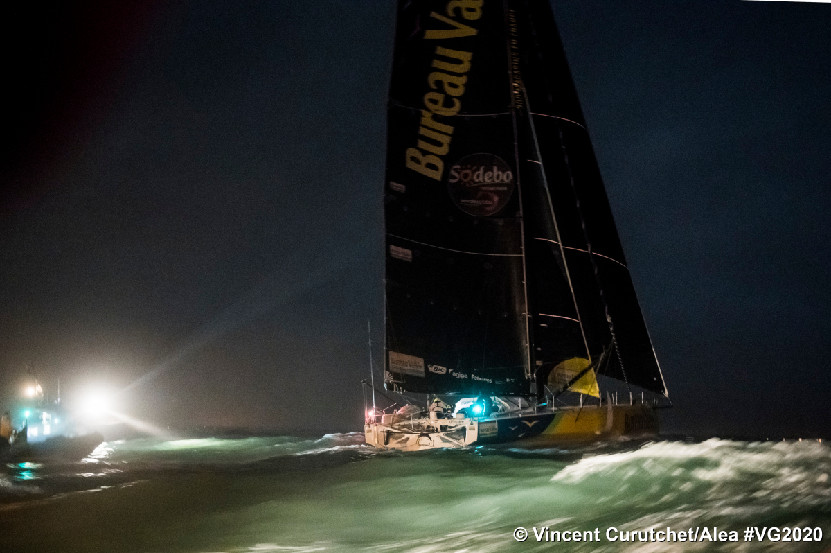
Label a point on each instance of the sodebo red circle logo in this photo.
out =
(480, 184)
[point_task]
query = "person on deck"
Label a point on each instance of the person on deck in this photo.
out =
(439, 408)
(6, 426)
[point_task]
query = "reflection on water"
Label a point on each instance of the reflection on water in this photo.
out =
(24, 472)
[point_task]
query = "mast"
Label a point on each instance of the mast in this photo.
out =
(371, 368)
(515, 103)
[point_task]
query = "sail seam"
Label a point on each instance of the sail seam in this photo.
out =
(609, 320)
(454, 250)
(460, 114)
(536, 146)
(585, 251)
(559, 317)
(560, 118)
(491, 114)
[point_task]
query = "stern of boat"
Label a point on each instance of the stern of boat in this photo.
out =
(423, 433)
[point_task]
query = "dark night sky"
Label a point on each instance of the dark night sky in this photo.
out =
(191, 209)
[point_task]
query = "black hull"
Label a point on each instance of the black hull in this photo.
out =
(60, 448)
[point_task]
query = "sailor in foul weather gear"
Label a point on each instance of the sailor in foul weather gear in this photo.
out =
(439, 408)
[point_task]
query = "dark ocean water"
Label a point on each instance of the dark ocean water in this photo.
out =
(288, 494)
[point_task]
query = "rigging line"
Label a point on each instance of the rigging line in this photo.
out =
(580, 375)
(591, 257)
(556, 226)
(588, 252)
(453, 250)
(382, 393)
(508, 16)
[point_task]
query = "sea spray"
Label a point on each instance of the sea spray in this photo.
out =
(333, 493)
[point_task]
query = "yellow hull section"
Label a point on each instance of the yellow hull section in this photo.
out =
(591, 423)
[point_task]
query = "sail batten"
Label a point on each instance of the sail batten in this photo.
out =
(581, 125)
(559, 317)
(494, 254)
(586, 251)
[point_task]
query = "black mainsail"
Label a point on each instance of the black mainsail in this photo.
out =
(503, 259)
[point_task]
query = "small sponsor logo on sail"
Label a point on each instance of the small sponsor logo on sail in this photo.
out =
(406, 364)
(480, 184)
(438, 369)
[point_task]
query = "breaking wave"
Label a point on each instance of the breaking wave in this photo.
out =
(333, 493)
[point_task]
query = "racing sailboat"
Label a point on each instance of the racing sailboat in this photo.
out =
(508, 297)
